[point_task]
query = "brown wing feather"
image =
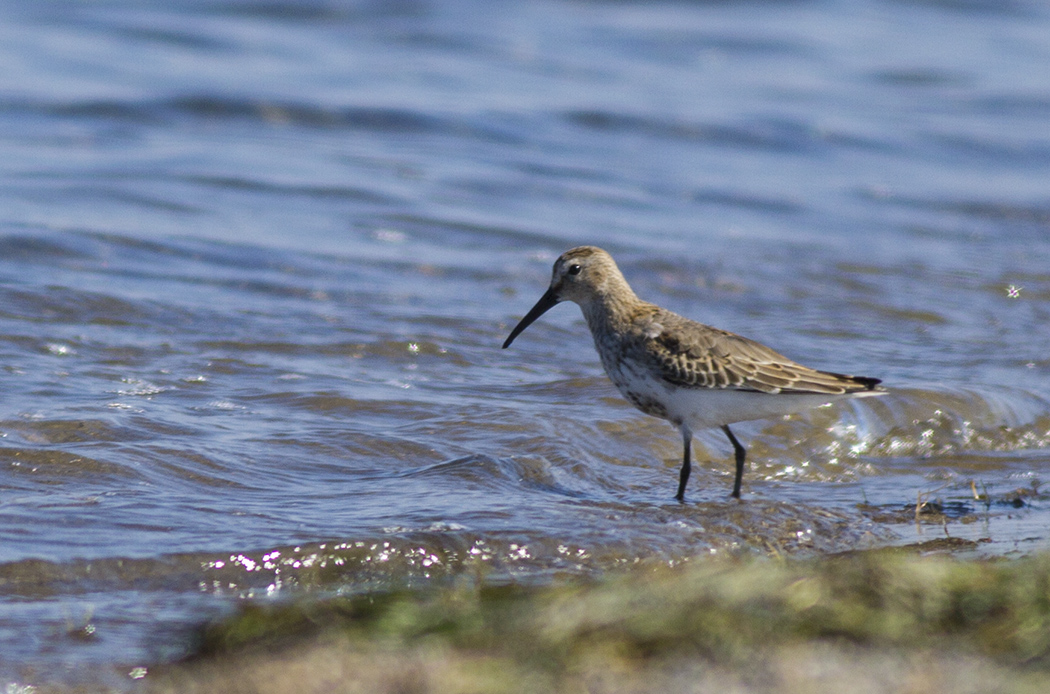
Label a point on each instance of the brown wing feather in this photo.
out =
(686, 353)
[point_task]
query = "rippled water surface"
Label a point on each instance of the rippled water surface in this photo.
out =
(257, 261)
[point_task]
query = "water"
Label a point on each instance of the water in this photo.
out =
(257, 260)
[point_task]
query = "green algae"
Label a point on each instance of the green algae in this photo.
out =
(740, 617)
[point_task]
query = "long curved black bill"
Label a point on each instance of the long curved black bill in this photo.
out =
(548, 301)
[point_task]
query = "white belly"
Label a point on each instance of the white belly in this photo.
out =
(703, 408)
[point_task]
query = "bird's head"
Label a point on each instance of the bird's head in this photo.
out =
(581, 275)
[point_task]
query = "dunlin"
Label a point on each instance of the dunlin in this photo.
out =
(690, 374)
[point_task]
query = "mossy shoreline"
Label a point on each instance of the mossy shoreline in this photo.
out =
(881, 620)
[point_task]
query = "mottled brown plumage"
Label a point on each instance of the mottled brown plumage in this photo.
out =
(688, 373)
(686, 355)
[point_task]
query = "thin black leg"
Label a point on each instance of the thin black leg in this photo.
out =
(740, 453)
(687, 467)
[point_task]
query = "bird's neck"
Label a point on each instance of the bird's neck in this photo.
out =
(612, 308)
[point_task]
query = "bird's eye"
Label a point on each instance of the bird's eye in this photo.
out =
(574, 269)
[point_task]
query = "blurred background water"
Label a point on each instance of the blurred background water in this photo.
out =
(257, 260)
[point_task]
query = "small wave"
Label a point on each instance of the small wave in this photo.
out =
(924, 422)
(779, 134)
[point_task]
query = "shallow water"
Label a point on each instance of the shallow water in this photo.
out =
(257, 261)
